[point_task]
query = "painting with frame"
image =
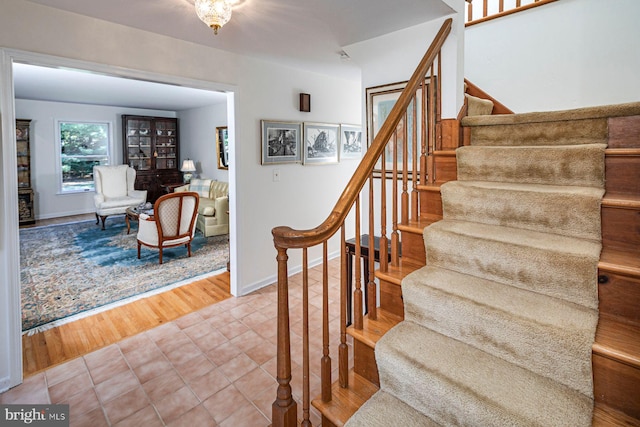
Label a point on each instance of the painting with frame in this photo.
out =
(379, 102)
(321, 143)
(350, 141)
(281, 142)
(222, 144)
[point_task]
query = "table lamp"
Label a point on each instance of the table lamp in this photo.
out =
(187, 168)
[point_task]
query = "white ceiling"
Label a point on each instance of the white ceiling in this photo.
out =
(306, 34)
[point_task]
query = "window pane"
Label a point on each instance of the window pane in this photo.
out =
(82, 146)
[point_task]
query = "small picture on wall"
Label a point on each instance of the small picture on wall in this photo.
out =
(281, 142)
(321, 143)
(350, 142)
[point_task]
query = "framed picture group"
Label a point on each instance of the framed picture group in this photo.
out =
(309, 143)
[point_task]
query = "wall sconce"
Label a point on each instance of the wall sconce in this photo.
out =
(305, 102)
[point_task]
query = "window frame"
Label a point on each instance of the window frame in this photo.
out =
(59, 157)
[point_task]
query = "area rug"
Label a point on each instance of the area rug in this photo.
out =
(69, 269)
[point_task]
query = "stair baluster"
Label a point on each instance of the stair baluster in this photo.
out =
(325, 364)
(414, 160)
(371, 284)
(284, 408)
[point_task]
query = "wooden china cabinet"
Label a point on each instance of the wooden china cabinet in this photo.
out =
(26, 210)
(151, 147)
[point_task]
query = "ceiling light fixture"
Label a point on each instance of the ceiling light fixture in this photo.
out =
(214, 13)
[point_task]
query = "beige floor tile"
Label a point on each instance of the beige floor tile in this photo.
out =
(162, 385)
(65, 371)
(254, 383)
(238, 367)
(194, 368)
(62, 391)
(196, 417)
(219, 405)
(223, 353)
(247, 415)
(33, 390)
(126, 404)
(146, 417)
(152, 369)
(233, 329)
(95, 418)
(116, 385)
(174, 405)
(209, 384)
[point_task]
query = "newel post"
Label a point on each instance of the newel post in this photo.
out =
(284, 409)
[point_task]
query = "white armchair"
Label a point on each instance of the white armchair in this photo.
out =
(114, 191)
(172, 224)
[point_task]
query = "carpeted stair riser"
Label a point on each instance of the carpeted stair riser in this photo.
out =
(549, 336)
(590, 131)
(569, 211)
(559, 165)
(554, 265)
(453, 383)
(384, 410)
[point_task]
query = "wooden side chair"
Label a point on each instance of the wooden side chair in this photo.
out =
(172, 224)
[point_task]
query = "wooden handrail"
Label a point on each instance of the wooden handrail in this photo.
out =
(284, 408)
(286, 237)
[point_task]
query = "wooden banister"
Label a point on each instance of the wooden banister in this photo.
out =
(284, 408)
(286, 237)
(486, 16)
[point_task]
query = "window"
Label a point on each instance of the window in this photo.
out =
(83, 145)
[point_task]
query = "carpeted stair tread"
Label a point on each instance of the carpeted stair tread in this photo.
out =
(549, 336)
(599, 112)
(554, 265)
(579, 165)
(567, 210)
(467, 386)
(384, 410)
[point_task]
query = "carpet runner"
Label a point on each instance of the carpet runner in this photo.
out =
(499, 324)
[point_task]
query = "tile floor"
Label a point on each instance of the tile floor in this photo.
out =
(213, 367)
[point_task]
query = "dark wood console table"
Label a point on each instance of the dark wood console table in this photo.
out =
(364, 254)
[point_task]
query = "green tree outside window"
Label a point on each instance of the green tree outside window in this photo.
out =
(82, 146)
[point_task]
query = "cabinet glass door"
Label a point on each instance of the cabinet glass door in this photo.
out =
(139, 143)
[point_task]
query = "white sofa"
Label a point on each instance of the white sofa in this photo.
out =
(213, 210)
(114, 191)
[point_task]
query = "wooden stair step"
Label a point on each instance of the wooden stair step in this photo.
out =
(395, 274)
(618, 340)
(620, 262)
(431, 187)
(345, 401)
(604, 416)
(418, 226)
(621, 200)
(373, 330)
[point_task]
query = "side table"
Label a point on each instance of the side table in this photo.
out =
(168, 188)
(364, 254)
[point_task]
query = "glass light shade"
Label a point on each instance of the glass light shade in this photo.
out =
(214, 13)
(188, 166)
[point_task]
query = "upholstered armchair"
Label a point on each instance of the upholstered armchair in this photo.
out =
(114, 191)
(213, 211)
(172, 224)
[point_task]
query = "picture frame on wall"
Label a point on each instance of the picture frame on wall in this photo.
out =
(321, 143)
(350, 141)
(281, 142)
(379, 102)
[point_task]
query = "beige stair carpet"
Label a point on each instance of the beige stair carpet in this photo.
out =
(500, 323)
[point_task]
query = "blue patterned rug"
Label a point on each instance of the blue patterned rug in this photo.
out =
(72, 268)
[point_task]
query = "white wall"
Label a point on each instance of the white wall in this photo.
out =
(393, 58)
(567, 54)
(198, 139)
(45, 174)
(302, 198)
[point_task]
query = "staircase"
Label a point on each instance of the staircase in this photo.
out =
(490, 325)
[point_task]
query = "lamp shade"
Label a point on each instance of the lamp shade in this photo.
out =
(188, 166)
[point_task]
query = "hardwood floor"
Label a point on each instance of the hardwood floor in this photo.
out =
(57, 345)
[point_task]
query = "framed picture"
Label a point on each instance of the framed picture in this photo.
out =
(380, 100)
(321, 143)
(281, 142)
(350, 142)
(222, 142)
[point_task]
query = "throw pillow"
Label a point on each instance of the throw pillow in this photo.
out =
(200, 186)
